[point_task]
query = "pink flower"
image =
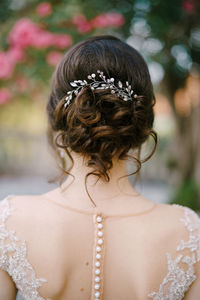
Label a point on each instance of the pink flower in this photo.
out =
(84, 27)
(78, 19)
(44, 9)
(112, 19)
(62, 41)
(82, 24)
(53, 57)
(42, 39)
(188, 6)
(23, 33)
(5, 95)
(6, 66)
(15, 54)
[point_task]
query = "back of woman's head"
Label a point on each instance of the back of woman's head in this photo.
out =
(96, 123)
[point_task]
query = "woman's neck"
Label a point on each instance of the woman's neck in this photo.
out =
(104, 194)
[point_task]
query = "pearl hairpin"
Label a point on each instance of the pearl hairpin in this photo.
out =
(124, 93)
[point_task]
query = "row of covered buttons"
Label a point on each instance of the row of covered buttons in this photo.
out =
(98, 256)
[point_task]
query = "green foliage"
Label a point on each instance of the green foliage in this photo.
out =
(172, 23)
(187, 195)
(5, 11)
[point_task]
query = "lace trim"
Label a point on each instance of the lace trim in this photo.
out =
(13, 258)
(177, 281)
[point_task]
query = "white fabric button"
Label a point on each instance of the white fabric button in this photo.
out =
(97, 294)
(100, 233)
(97, 279)
(97, 286)
(97, 264)
(97, 271)
(99, 219)
(100, 226)
(100, 241)
(98, 256)
(98, 248)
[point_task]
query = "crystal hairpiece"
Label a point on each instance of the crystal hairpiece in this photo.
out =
(124, 93)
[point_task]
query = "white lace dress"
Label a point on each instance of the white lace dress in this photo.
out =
(13, 259)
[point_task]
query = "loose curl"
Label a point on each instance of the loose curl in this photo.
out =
(97, 124)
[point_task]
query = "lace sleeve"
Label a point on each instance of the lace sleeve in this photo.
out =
(178, 279)
(13, 257)
(6, 237)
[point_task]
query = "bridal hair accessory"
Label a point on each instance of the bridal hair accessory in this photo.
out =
(124, 93)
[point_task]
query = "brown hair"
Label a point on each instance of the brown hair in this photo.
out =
(98, 124)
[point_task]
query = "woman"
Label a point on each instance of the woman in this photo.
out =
(95, 237)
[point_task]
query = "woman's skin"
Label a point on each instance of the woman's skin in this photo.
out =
(115, 196)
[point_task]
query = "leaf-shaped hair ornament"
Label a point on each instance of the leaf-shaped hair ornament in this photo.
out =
(125, 93)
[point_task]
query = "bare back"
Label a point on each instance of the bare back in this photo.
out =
(86, 255)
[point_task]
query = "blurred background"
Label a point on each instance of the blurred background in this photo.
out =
(33, 37)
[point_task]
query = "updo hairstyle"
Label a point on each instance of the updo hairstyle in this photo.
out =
(98, 124)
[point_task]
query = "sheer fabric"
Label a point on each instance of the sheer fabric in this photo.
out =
(180, 275)
(177, 281)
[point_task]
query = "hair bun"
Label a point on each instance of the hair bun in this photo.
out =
(97, 123)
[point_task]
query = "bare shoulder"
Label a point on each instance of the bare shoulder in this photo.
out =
(177, 213)
(23, 207)
(180, 212)
(172, 223)
(173, 211)
(24, 202)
